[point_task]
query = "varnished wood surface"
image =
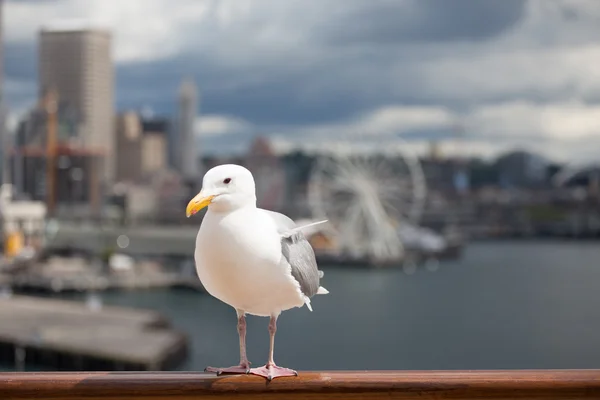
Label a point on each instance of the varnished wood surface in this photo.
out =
(528, 384)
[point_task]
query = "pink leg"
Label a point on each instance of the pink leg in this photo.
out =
(270, 370)
(244, 366)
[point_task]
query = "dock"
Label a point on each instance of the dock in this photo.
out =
(179, 242)
(143, 240)
(67, 335)
(76, 274)
(88, 282)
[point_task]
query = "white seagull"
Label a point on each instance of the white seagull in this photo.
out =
(257, 261)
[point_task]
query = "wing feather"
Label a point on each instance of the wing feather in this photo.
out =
(299, 254)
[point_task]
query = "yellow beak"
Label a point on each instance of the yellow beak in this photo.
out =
(197, 204)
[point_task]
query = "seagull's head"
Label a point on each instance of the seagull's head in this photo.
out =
(224, 188)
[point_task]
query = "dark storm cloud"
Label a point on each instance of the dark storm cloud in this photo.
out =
(326, 89)
(20, 61)
(237, 143)
(392, 21)
(330, 88)
(344, 63)
(20, 71)
(281, 99)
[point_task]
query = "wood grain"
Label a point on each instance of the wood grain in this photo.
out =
(527, 384)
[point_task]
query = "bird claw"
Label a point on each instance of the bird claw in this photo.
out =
(239, 369)
(273, 371)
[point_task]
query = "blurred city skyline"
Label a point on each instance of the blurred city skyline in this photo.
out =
(501, 75)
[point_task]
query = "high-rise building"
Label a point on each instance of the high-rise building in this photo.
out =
(76, 61)
(141, 147)
(3, 133)
(154, 144)
(185, 156)
(128, 149)
(269, 174)
(1, 48)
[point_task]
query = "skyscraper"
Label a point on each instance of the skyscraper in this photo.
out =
(141, 146)
(1, 46)
(3, 111)
(186, 154)
(75, 60)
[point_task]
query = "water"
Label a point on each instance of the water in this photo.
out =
(504, 305)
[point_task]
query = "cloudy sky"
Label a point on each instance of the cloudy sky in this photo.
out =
(509, 73)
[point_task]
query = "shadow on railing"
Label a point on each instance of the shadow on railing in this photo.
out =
(527, 384)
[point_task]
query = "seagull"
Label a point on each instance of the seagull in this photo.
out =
(255, 260)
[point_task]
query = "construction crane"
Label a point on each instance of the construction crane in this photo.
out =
(55, 148)
(51, 107)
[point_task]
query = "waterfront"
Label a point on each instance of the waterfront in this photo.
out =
(70, 335)
(503, 305)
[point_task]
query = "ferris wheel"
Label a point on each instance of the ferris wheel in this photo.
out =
(366, 198)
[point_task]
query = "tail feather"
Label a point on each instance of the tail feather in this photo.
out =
(322, 290)
(307, 302)
(290, 232)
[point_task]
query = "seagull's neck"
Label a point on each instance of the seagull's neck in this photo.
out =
(224, 209)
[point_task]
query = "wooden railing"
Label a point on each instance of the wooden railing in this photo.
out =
(528, 384)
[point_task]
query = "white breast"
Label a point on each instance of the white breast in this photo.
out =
(238, 260)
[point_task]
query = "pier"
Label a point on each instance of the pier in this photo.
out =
(141, 240)
(76, 274)
(180, 241)
(68, 335)
(406, 385)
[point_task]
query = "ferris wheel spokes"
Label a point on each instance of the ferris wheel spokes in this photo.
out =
(365, 198)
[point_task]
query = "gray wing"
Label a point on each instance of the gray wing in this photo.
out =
(298, 253)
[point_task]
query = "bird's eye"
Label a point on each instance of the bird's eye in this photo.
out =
(226, 180)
